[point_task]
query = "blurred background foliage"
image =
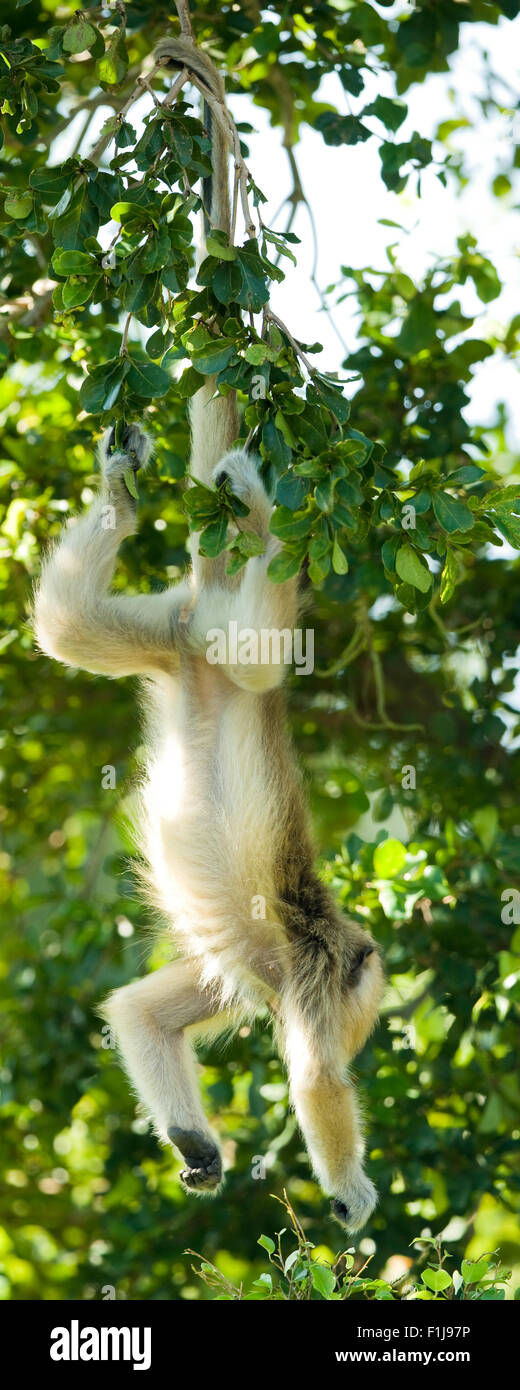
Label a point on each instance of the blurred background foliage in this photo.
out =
(408, 731)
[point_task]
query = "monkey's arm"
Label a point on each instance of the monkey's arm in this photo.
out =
(76, 619)
(213, 417)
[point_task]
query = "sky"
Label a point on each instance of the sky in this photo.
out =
(348, 197)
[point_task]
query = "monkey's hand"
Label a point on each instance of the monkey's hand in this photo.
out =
(122, 464)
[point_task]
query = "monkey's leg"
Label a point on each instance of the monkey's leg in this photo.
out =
(77, 620)
(327, 1112)
(149, 1020)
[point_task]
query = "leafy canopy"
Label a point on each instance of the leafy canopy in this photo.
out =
(407, 727)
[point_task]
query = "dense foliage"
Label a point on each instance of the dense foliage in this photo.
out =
(391, 501)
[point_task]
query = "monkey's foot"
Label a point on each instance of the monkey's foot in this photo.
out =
(204, 1170)
(240, 470)
(356, 1204)
(132, 454)
(134, 443)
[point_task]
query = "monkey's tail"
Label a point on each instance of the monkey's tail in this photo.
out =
(214, 422)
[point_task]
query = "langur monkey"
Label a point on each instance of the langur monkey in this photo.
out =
(222, 821)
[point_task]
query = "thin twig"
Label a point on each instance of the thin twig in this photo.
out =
(124, 341)
(357, 642)
(273, 318)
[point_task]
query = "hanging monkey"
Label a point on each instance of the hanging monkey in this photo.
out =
(222, 820)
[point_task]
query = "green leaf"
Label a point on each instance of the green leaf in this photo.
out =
(147, 379)
(78, 221)
(324, 494)
(278, 240)
(320, 552)
(263, 1283)
(18, 205)
(449, 577)
(112, 68)
(187, 384)
(341, 130)
(485, 821)
(334, 399)
(155, 253)
(500, 496)
(274, 447)
(236, 560)
(267, 1244)
(227, 282)
(389, 859)
(254, 292)
(258, 353)
(349, 490)
(323, 1279)
(284, 566)
(158, 343)
(419, 329)
(412, 568)
(436, 1279)
(464, 476)
(127, 213)
(291, 491)
(125, 135)
(388, 110)
(51, 183)
(250, 544)
(474, 1270)
(73, 262)
(509, 526)
(77, 292)
(201, 503)
(289, 525)
(130, 483)
(213, 356)
(339, 559)
(79, 35)
(101, 389)
(451, 513)
(213, 538)
(217, 244)
(388, 552)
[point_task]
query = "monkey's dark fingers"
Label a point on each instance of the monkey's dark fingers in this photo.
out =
(222, 478)
(195, 1179)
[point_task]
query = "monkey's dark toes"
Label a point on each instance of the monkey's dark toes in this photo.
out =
(127, 435)
(340, 1211)
(133, 442)
(221, 478)
(204, 1168)
(198, 1179)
